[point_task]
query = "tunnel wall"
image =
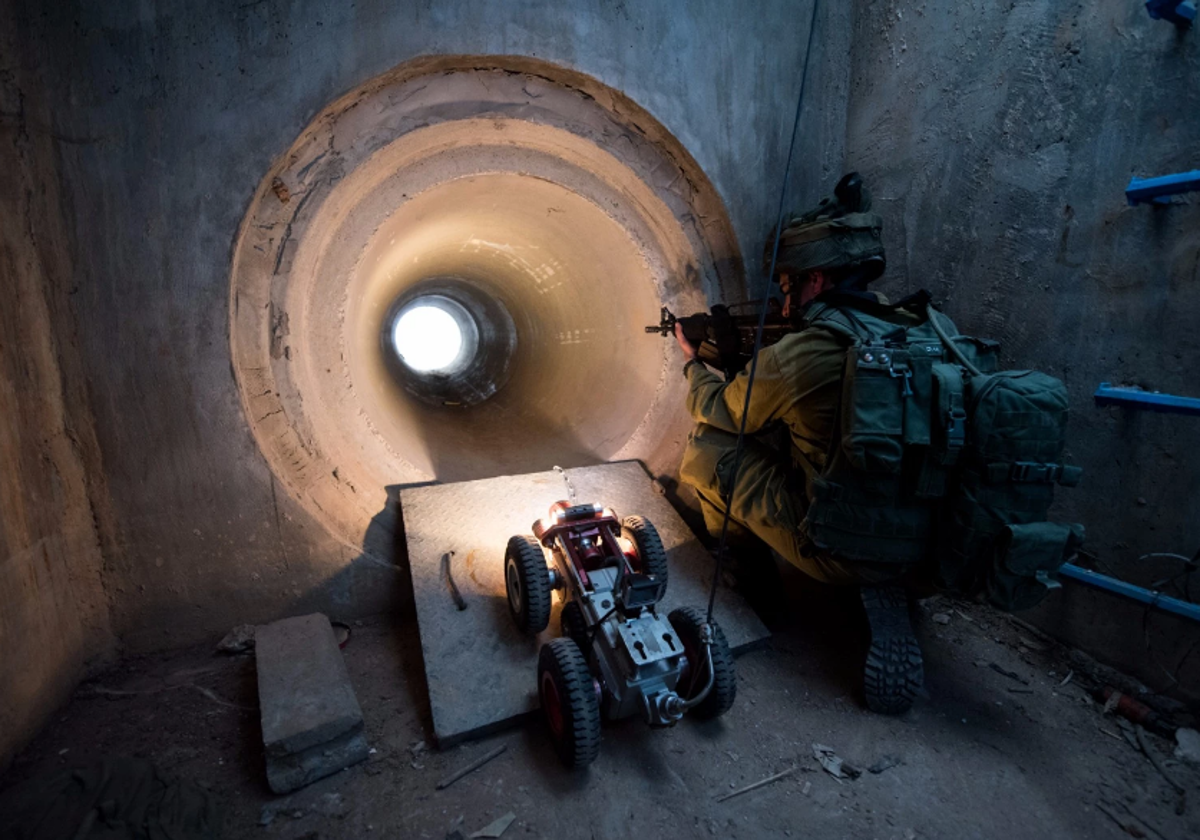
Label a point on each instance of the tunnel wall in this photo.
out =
(54, 611)
(166, 117)
(999, 139)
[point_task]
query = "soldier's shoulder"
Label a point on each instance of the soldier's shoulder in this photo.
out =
(808, 343)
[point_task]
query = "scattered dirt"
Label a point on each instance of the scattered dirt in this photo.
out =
(975, 759)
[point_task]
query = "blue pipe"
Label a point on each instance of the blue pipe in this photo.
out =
(1155, 599)
(1106, 394)
(1142, 190)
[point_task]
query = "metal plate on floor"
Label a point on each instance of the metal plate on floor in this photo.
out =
(482, 671)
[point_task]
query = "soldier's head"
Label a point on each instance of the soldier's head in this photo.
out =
(836, 245)
(803, 290)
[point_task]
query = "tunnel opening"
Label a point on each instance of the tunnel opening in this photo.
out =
(556, 293)
(433, 336)
(447, 342)
(447, 278)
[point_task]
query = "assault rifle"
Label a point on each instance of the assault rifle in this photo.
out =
(722, 339)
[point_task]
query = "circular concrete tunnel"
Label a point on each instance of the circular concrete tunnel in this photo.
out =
(448, 275)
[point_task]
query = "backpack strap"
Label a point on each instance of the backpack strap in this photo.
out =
(837, 321)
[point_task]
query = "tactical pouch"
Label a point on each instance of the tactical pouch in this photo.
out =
(873, 397)
(1026, 560)
(917, 368)
(951, 425)
(1010, 462)
(862, 524)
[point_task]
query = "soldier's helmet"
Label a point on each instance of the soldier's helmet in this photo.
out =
(840, 235)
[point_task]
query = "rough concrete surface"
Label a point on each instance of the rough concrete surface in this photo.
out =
(998, 140)
(481, 671)
(556, 198)
(311, 721)
(54, 611)
(986, 756)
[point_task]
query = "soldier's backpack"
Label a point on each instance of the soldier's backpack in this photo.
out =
(938, 458)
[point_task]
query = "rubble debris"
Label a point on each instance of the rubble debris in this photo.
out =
(1027, 642)
(885, 763)
(758, 784)
(1134, 711)
(1012, 675)
(497, 827)
(416, 749)
(312, 724)
(1187, 745)
(941, 618)
(1128, 827)
(341, 633)
(1181, 804)
(113, 798)
(238, 640)
(471, 768)
(833, 763)
(207, 692)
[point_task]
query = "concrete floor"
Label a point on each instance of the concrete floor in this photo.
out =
(984, 756)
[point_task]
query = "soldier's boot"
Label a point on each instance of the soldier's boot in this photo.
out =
(894, 673)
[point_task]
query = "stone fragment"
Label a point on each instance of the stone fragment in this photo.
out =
(1187, 745)
(238, 640)
(311, 722)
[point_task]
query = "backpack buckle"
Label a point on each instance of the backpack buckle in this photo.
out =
(1034, 472)
(956, 428)
(896, 374)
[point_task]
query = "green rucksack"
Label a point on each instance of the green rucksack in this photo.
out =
(939, 460)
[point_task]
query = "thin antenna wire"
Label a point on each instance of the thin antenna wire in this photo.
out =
(762, 320)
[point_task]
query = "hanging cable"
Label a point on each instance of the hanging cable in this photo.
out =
(762, 319)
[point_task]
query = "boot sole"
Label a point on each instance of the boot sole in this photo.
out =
(894, 673)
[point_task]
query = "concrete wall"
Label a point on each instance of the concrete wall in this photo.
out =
(998, 139)
(54, 618)
(167, 116)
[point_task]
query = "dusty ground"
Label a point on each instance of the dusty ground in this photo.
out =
(986, 755)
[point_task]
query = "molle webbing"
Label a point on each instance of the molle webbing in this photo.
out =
(931, 465)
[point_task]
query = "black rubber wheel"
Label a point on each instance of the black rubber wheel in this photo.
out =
(527, 581)
(688, 622)
(569, 702)
(574, 625)
(651, 554)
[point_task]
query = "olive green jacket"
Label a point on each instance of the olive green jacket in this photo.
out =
(798, 383)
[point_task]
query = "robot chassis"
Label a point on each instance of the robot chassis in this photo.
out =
(617, 656)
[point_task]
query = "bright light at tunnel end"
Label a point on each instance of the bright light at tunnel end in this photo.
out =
(428, 339)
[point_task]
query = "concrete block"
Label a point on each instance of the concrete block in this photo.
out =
(481, 671)
(311, 722)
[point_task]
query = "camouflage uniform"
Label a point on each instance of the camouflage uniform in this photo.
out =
(798, 384)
